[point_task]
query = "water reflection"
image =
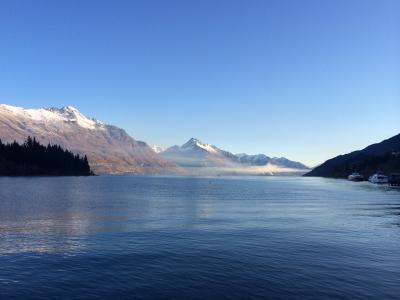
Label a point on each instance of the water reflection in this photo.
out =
(56, 215)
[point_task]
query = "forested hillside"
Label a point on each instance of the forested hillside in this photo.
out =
(31, 158)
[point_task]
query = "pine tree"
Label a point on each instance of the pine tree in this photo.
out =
(32, 158)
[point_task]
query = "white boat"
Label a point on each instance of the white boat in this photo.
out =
(355, 177)
(379, 178)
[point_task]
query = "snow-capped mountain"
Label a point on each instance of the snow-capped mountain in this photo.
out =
(262, 160)
(195, 153)
(109, 148)
(202, 158)
(255, 160)
(282, 161)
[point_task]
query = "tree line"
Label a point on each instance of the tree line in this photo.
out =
(32, 159)
(367, 165)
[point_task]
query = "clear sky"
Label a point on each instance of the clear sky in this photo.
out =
(303, 79)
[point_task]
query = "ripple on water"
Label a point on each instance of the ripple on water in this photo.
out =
(198, 238)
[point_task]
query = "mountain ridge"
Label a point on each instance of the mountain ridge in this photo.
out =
(110, 149)
(197, 154)
(382, 156)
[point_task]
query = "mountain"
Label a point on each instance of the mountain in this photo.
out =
(197, 157)
(195, 153)
(255, 160)
(383, 156)
(262, 160)
(109, 149)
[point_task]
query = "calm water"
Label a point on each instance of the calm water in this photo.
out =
(198, 238)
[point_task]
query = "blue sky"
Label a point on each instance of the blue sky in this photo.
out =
(303, 79)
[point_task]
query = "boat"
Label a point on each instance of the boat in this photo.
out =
(355, 177)
(394, 180)
(378, 178)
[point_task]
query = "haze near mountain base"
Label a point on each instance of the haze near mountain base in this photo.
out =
(111, 150)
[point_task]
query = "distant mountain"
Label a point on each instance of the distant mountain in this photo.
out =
(255, 160)
(202, 158)
(109, 148)
(195, 153)
(383, 156)
(262, 160)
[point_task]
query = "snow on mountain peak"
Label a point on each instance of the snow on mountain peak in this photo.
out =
(66, 109)
(54, 115)
(196, 143)
(70, 108)
(109, 148)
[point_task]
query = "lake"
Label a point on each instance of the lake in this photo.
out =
(127, 237)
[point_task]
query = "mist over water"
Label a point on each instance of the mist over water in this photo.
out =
(198, 238)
